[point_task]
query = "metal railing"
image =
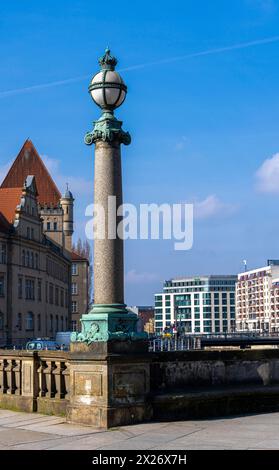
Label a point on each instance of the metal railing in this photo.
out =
(185, 343)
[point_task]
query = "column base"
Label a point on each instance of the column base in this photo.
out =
(106, 324)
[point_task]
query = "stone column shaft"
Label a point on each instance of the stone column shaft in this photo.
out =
(108, 253)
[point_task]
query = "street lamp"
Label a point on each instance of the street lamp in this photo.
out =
(108, 319)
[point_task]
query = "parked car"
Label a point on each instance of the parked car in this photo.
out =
(41, 345)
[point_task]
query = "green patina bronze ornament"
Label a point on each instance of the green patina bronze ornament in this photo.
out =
(106, 323)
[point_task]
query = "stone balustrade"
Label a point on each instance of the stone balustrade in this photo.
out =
(34, 381)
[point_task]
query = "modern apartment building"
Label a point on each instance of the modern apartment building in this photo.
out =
(197, 304)
(257, 299)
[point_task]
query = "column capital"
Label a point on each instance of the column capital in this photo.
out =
(107, 129)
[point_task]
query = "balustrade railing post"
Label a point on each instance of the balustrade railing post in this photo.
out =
(42, 379)
(2, 376)
(17, 376)
(10, 377)
(57, 387)
(50, 381)
(66, 380)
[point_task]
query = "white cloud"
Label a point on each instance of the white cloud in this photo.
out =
(212, 206)
(77, 184)
(268, 175)
(133, 277)
(181, 144)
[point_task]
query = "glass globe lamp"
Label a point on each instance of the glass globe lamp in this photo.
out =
(107, 88)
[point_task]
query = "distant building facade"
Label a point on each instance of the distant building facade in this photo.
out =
(257, 299)
(35, 272)
(146, 318)
(57, 211)
(197, 304)
(80, 289)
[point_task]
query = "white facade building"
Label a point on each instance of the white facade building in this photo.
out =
(257, 299)
(204, 304)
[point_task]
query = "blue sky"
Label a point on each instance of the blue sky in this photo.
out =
(204, 129)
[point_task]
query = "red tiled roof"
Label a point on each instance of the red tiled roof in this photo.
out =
(28, 162)
(9, 199)
(76, 257)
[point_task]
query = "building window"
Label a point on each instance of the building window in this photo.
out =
(3, 253)
(62, 298)
(66, 299)
(74, 307)
(1, 321)
(19, 321)
(74, 269)
(51, 293)
(32, 259)
(27, 259)
(46, 291)
(19, 288)
(39, 290)
(2, 286)
(48, 225)
(28, 232)
(36, 261)
(29, 289)
(32, 233)
(56, 296)
(23, 258)
(51, 322)
(30, 321)
(56, 323)
(55, 226)
(39, 322)
(74, 288)
(62, 323)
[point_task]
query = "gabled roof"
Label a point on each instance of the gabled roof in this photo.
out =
(9, 200)
(28, 162)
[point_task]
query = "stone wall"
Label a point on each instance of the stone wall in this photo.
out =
(113, 389)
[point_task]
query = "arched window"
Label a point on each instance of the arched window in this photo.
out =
(23, 258)
(1, 321)
(30, 321)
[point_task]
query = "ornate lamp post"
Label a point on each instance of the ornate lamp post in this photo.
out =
(109, 319)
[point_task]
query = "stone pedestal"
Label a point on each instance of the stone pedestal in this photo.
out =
(109, 390)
